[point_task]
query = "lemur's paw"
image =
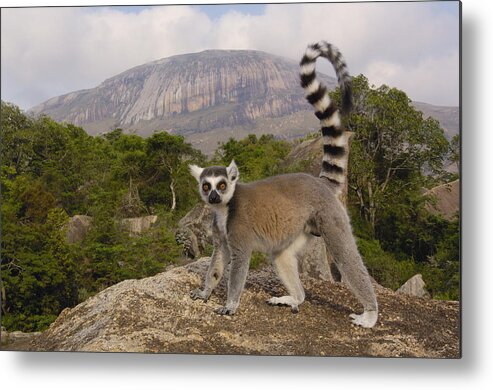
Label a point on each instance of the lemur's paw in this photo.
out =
(224, 311)
(284, 301)
(199, 294)
(367, 320)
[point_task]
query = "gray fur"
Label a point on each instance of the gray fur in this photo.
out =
(335, 142)
(279, 215)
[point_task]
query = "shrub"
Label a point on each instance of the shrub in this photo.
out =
(383, 266)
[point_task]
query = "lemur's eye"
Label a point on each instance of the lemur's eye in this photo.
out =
(206, 187)
(222, 186)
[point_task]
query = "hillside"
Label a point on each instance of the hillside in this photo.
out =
(207, 96)
(447, 116)
(188, 94)
(157, 315)
(446, 199)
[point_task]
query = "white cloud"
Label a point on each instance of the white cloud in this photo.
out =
(50, 51)
(431, 80)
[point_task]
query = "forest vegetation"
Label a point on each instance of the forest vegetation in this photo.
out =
(51, 171)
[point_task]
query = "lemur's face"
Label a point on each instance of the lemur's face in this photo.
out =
(216, 184)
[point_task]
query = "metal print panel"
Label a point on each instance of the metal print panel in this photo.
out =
(261, 179)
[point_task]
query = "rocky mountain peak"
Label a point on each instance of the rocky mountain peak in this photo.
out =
(242, 85)
(208, 97)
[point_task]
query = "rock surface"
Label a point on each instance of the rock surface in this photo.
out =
(194, 231)
(139, 224)
(77, 228)
(157, 315)
(415, 286)
(447, 197)
(315, 261)
(17, 340)
(208, 97)
(244, 84)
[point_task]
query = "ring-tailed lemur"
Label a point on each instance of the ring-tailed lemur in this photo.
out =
(279, 215)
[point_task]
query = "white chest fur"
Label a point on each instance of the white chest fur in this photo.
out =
(221, 218)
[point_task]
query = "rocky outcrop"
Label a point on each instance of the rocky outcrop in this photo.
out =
(316, 261)
(445, 199)
(199, 91)
(17, 340)
(194, 231)
(138, 225)
(221, 93)
(77, 228)
(156, 314)
(415, 286)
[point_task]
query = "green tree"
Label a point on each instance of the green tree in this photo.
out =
(394, 149)
(454, 151)
(255, 157)
(167, 170)
(38, 272)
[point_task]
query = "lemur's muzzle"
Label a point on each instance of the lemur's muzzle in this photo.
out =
(214, 197)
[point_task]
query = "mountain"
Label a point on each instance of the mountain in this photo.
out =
(446, 115)
(446, 200)
(207, 97)
(215, 90)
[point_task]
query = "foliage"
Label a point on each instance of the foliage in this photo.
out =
(442, 272)
(394, 150)
(256, 158)
(395, 154)
(383, 266)
(109, 255)
(454, 151)
(38, 270)
(258, 260)
(50, 171)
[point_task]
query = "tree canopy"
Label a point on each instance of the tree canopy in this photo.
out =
(52, 171)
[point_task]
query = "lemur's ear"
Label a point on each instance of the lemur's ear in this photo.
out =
(196, 171)
(232, 170)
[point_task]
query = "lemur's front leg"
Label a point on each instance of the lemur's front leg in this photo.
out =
(219, 260)
(240, 262)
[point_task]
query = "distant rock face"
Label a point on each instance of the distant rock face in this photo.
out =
(138, 225)
(415, 286)
(77, 228)
(208, 97)
(446, 199)
(245, 85)
(447, 116)
(157, 315)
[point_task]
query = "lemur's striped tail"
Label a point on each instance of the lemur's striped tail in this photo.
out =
(335, 141)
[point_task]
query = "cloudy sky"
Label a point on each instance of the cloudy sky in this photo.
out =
(47, 52)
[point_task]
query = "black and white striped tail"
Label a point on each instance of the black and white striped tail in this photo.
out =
(335, 141)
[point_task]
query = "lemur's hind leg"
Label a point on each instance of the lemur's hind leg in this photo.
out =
(286, 265)
(335, 228)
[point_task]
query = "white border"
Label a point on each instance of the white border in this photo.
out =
(128, 371)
